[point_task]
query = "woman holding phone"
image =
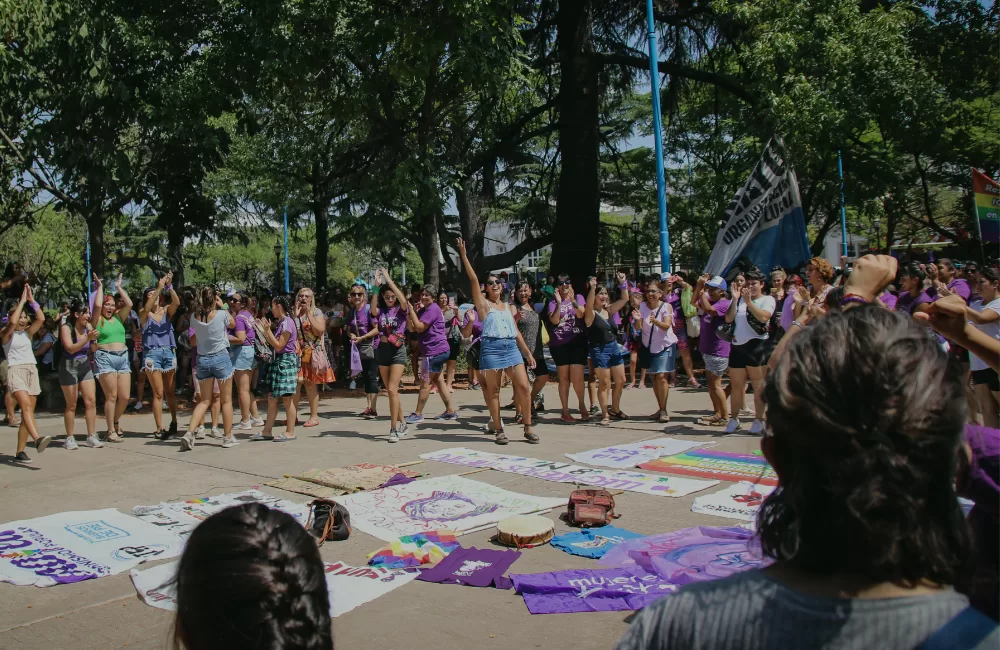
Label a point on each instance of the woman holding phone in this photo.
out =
(389, 308)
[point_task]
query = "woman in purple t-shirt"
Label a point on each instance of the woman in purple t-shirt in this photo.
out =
(713, 302)
(283, 371)
(241, 353)
(427, 320)
(390, 313)
(568, 344)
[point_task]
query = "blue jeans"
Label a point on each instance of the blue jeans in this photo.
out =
(607, 355)
(241, 357)
(159, 360)
(436, 363)
(215, 365)
(499, 354)
(110, 362)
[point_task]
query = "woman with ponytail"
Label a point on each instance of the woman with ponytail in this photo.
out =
(281, 380)
(76, 377)
(159, 361)
(111, 359)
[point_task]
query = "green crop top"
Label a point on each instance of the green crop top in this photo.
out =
(110, 331)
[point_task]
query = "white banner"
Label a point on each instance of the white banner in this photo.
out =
(764, 221)
(75, 546)
(348, 586)
(655, 484)
(180, 517)
(738, 501)
(441, 503)
(631, 454)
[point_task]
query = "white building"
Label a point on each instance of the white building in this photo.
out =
(833, 245)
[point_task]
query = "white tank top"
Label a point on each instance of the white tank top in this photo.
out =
(18, 350)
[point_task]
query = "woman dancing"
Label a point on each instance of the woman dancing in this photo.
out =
(159, 360)
(529, 323)
(658, 345)
(76, 377)
(241, 354)
(750, 310)
(22, 374)
(605, 352)
(389, 308)
(568, 345)
(282, 372)
(111, 358)
(428, 323)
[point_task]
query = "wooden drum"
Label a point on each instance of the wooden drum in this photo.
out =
(525, 531)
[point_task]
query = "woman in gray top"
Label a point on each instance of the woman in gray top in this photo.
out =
(865, 419)
(529, 323)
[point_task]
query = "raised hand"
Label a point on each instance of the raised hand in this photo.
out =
(97, 281)
(621, 278)
(593, 283)
(745, 293)
(871, 274)
(25, 294)
(460, 245)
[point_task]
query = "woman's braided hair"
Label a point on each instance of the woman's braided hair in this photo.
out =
(251, 577)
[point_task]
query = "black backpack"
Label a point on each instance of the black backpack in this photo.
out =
(328, 520)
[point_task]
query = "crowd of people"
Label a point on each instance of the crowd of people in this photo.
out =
(230, 348)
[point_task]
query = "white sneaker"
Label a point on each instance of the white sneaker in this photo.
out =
(745, 412)
(257, 436)
(229, 442)
(137, 406)
(733, 426)
(757, 427)
(256, 422)
(93, 442)
(216, 433)
(199, 433)
(243, 425)
(393, 436)
(401, 430)
(187, 441)
(70, 443)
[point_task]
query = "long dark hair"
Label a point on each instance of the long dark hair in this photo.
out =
(206, 302)
(252, 577)
(867, 417)
(517, 290)
(282, 301)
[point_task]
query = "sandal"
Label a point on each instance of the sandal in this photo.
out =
(530, 436)
(311, 423)
(605, 422)
(114, 437)
(566, 417)
(664, 417)
(655, 417)
(501, 438)
(584, 416)
(709, 420)
(618, 415)
(519, 418)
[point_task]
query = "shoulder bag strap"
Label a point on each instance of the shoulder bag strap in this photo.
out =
(966, 630)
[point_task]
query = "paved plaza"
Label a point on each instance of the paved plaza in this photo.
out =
(106, 613)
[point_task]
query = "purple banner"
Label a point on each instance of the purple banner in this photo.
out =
(590, 590)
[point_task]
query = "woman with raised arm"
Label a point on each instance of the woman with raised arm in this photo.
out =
(711, 298)
(529, 323)
(750, 310)
(111, 358)
(501, 343)
(76, 377)
(315, 367)
(210, 323)
(568, 345)
(282, 372)
(605, 352)
(22, 374)
(427, 321)
(657, 354)
(389, 308)
(159, 361)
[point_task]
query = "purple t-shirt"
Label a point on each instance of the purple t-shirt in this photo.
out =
(287, 325)
(710, 343)
(477, 325)
(961, 287)
(392, 320)
(434, 339)
(570, 326)
(473, 567)
(909, 304)
(787, 310)
(888, 299)
(359, 321)
(244, 323)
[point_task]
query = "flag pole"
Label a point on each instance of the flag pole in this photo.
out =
(287, 288)
(661, 191)
(843, 211)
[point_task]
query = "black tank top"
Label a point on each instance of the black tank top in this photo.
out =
(601, 332)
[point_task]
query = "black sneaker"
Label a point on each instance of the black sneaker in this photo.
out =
(42, 443)
(163, 434)
(22, 457)
(594, 410)
(172, 430)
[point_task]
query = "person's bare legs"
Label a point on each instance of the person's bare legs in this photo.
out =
(272, 415)
(425, 391)
(576, 379)
(688, 365)
(491, 395)
(156, 400)
(591, 383)
(618, 375)
(449, 372)
(756, 374)
(141, 385)
(437, 379)
(28, 426)
(10, 404)
(633, 361)
(124, 387)
(204, 396)
(289, 402)
(988, 402)
(88, 389)
(216, 410)
(242, 384)
(390, 377)
(563, 372)
(312, 393)
(717, 395)
(226, 395)
(109, 384)
(661, 397)
(737, 390)
(70, 394)
(603, 387)
(523, 398)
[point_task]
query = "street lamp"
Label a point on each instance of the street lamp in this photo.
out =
(878, 249)
(277, 262)
(215, 272)
(635, 244)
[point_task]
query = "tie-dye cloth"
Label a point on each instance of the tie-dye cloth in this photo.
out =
(423, 550)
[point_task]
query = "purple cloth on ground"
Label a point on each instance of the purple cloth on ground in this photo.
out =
(397, 479)
(590, 590)
(473, 567)
(691, 554)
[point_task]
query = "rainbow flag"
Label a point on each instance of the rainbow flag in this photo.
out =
(720, 465)
(423, 550)
(987, 194)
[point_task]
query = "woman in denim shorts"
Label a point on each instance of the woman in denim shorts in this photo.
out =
(241, 345)
(210, 322)
(111, 359)
(76, 377)
(159, 361)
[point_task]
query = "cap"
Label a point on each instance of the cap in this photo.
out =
(717, 283)
(549, 291)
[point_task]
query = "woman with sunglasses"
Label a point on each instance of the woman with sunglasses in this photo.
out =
(159, 359)
(389, 308)
(428, 323)
(241, 353)
(605, 352)
(315, 367)
(529, 323)
(362, 330)
(568, 345)
(501, 343)
(749, 352)
(657, 354)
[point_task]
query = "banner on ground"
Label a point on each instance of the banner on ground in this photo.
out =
(180, 517)
(631, 454)
(348, 586)
(723, 465)
(589, 590)
(75, 546)
(657, 485)
(764, 221)
(987, 195)
(444, 502)
(738, 501)
(363, 476)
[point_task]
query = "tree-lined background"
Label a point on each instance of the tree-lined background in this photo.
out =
(176, 132)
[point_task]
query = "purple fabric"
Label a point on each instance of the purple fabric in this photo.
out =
(690, 554)
(709, 342)
(360, 321)
(908, 303)
(287, 325)
(680, 323)
(983, 486)
(392, 320)
(961, 287)
(473, 567)
(158, 333)
(244, 323)
(477, 325)
(569, 326)
(433, 340)
(355, 360)
(788, 311)
(397, 479)
(889, 300)
(590, 590)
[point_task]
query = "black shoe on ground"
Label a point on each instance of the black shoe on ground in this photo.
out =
(172, 430)
(163, 435)
(22, 457)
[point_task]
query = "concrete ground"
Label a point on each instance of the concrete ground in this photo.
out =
(106, 613)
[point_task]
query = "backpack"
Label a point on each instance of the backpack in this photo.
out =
(590, 508)
(328, 520)
(58, 350)
(261, 349)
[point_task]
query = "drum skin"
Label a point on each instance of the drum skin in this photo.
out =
(525, 531)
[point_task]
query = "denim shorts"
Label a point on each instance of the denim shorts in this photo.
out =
(608, 355)
(159, 360)
(215, 365)
(659, 363)
(241, 356)
(109, 362)
(499, 354)
(436, 363)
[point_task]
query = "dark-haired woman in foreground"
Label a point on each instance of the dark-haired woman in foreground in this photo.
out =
(252, 577)
(865, 418)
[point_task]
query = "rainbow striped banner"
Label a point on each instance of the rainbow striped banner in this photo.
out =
(721, 465)
(987, 194)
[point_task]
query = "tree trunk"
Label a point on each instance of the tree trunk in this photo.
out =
(95, 228)
(578, 205)
(175, 254)
(321, 212)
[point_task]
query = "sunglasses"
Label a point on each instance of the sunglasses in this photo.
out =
(564, 283)
(355, 294)
(493, 283)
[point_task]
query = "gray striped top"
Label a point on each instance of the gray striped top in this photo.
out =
(750, 611)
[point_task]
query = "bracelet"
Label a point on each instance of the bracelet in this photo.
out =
(169, 287)
(35, 305)
(798, 324)
(853, 298)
